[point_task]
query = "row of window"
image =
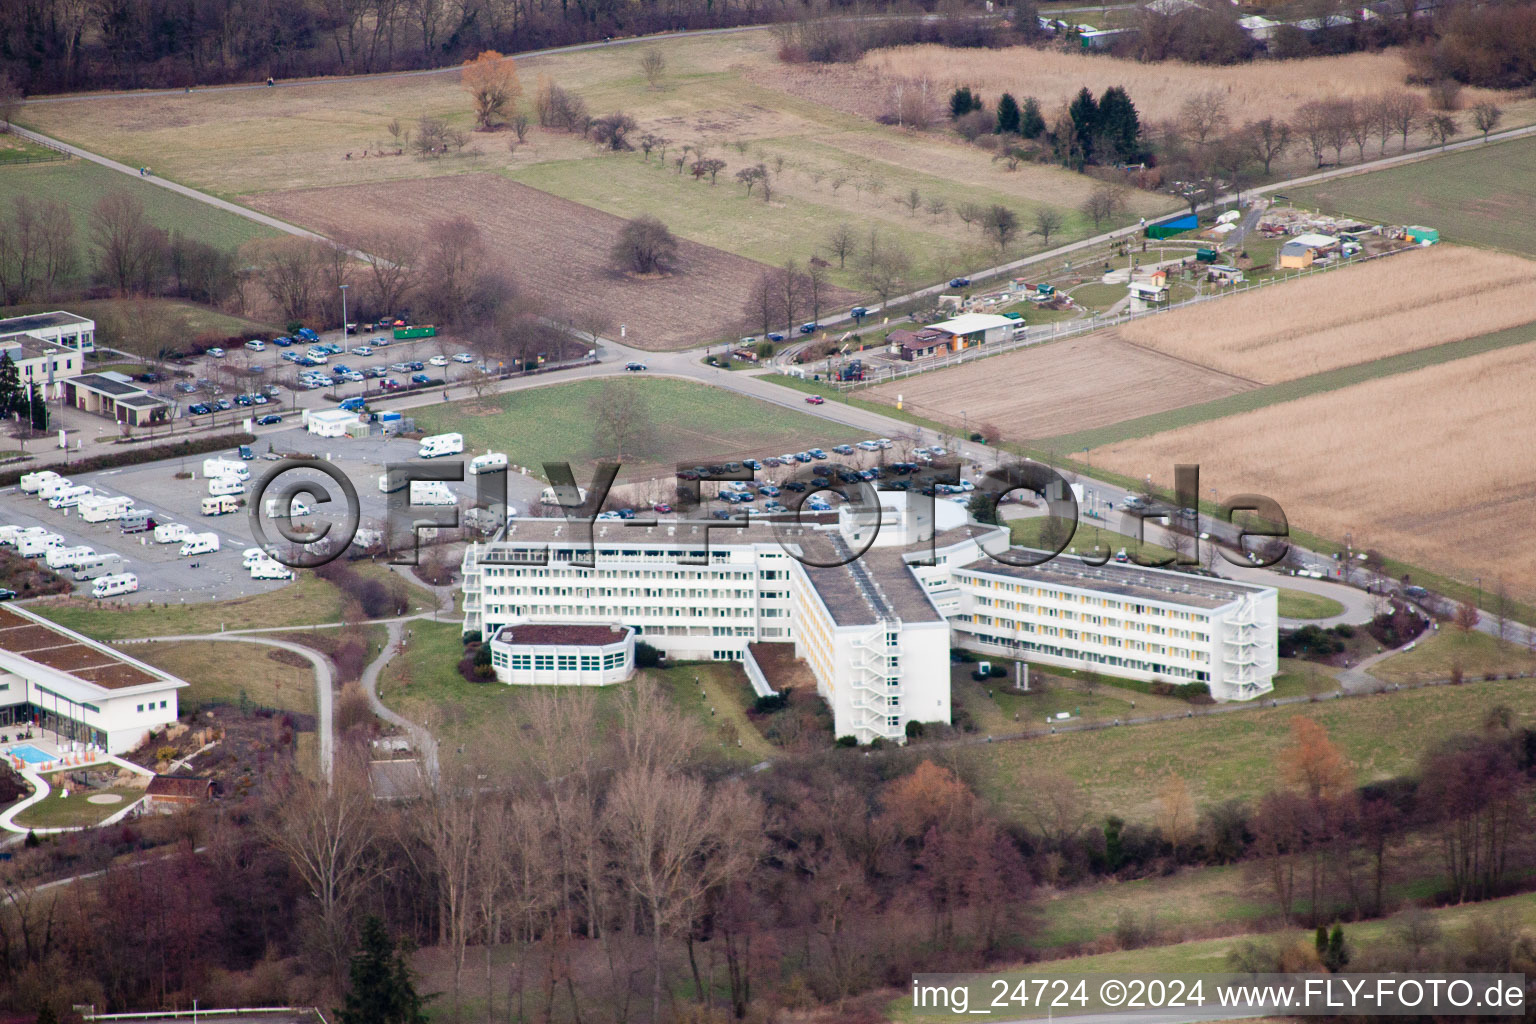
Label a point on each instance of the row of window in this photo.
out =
(560, 662)
(1087, 638)
(1092, 600)
(1066, 615)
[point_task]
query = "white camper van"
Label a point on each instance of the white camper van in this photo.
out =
(549, 498)
(69, 497)
(392, 481)
(490, 462)
(170, 533)
(270, 569)
(441, 444)
(34, 544)
(200, 544)
(221, 485)
(96, 566)
(32, 482)
(111, 586)
(99, 509)
(218, 505)
(225, 467)
(432, 492)
(62, 557)
(276, 509)
(51, 487)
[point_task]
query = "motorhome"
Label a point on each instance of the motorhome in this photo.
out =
(32, 545)
(432, 492)
(200, 544)
(98, 508)
(392, 481)
(441, 444)
(69, 497)
(97, 566)
(170, 533)
(51, 487)
(138, 520)
(111, 586)
(250, 556)
(490, 462)
(64, 558)
(270, 569)
(218, 506)
(225, 467)
(549, 497)
(220, 485)
(31, 482)
(276, 508)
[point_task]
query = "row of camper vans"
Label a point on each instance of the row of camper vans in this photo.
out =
(263, 566)
(60, 493)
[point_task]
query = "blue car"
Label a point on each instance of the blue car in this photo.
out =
(809, 328)
(420, 378)
(199, 409)
(282, 342)
(307, 334)
(775, 337)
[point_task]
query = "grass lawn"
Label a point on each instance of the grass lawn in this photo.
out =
(80, 184)
(1234, 754)
(1088, 538)
(1298, 604)
(424, 684)
(1437, 656)
(234, 673)
(997, 708)
(1298, 678)
(684, 423)
(1482, 196)
(307, 600)
(57, 811)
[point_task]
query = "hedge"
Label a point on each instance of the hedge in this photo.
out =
(140, 454)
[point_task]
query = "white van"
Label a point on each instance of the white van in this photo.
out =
(221, 485)
(66, 558)
(200, 544)
(270, 569)
(31, 482)
(218, 505)
(51, 487)
(99, 509)
(441, 444)
(170, 533)
(549, 498)
(97, 566)
(490, 462)
(111, 586)
(69, 497)
(35, 544)
(225, 467)
(432, 492)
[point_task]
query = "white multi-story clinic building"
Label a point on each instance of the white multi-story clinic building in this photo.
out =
(874, 630)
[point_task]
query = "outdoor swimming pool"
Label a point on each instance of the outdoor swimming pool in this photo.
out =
(31, 754)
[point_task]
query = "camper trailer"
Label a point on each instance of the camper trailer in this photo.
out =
(225, 467)
(69, 497)
(32, 482)
(441, 444)
(270, 569)
(98, 509)
(64, 558)
(51, 487)
(200, 544)
(221, 485)
(112, 586)
(170, 533)
(490, 462)
(218, 506)
(32, 545)
(138, 520)
(98, 566)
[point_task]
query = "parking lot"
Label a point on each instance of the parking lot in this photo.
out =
(164, 575)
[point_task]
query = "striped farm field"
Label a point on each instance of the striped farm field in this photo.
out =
(1387, 306)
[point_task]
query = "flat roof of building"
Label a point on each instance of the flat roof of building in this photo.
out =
(969, 323)
(1132, 582)
(861, 591)
(141, 401)
(41, 321)
(561, 634)
(101, 383)
(36, 640)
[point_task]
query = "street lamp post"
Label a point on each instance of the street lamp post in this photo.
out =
(343, 314)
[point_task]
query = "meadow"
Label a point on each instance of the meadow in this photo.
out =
(1233, 755)
(683, 422)
(1343, 468)
(1355, 314)
(80, 184)
(1485, 195)
(267, 677)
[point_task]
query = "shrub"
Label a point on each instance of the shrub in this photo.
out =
(847, 741)
(138, 454)
(646, 656)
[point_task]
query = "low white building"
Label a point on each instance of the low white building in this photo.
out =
(59, 680)
(331, 422)
(563, 654)
(977, 328)
(65, 330)
(42, 363)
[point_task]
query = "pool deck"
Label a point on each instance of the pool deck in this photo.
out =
(63, 760)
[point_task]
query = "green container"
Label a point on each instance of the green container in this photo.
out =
(428, 331)
(1205, 255)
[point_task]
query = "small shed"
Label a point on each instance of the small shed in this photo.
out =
(1420, 235)
(330, 422)
(1295, 256)
(174, 792)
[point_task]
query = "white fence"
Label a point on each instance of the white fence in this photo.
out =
(881, 374)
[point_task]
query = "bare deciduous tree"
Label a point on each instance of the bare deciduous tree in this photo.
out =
(654, 67)
(128, 247)
(1269, 138)
(1203, 117)
(841, 242)
(493, 87)
(644, 246)
(1047, 222)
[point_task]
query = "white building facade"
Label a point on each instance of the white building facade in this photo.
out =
(875, 629)
(563, 654)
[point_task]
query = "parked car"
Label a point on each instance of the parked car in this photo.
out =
(223, 405)
(186, 387)
(351, 376)
(151, 378)
(400, 367)
(216, 353)
(268, 420)
(375, 371)
(809, 328)
(959, 282)
(775, 336)
(256, 345)
(463, 357)
(843, 449)
(420, 378)
(417, 365)
(282, 342)
(438, 360)
(363, 350)
(244, 400)
(661, 507)
(858, 311)
(271, 390)
(199, 409)
(635, 367)
(390, 384)
(815, 400)
(290, 357)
